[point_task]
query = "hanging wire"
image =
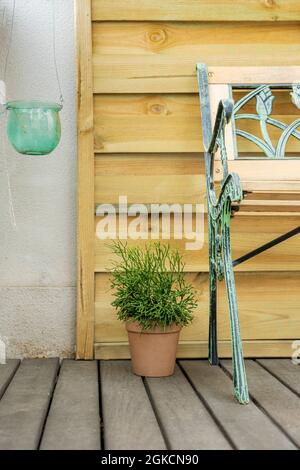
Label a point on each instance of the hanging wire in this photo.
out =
(10, 35)
(61, 98)
(10, 197)
(9, 188)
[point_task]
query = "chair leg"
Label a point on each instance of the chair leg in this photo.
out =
(213, 342)
(239, 374)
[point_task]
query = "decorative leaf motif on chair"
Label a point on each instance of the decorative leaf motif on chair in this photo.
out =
(264, 104)
(295, 94)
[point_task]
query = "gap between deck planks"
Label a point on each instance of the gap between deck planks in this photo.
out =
(194, 409)
(24, 405)
(74, 420)
(201, 416)
(7, 372)
(129, 420)
(247, 426)
(278, 401)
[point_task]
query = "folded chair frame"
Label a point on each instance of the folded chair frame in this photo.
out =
(220, 209)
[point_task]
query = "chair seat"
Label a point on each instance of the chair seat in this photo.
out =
(270, 196)
(269, 206)
(281, 186)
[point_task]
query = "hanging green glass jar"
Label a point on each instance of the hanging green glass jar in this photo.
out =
(33, 127)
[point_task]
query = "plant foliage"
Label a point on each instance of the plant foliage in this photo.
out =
(150, 287)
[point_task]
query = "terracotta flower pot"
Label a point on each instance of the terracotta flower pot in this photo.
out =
(153, 352)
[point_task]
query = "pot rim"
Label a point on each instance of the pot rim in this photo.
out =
(135, 327)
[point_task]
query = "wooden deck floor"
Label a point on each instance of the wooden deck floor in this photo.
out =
(92, 405)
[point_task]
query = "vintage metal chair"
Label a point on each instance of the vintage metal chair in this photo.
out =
(253, 181)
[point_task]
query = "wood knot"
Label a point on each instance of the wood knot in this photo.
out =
(157, 37)
(158, 109)
(98, 143)
(270, 3)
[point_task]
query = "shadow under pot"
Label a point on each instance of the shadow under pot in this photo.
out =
(33, 127)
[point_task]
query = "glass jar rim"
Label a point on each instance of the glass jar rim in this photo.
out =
(33, 105)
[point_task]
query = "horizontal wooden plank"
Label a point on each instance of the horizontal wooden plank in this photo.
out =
(21, 425)
(190, 242)
(270, 73)
(274, 173)
(73, 421)
(160, 57)
(150, 123)
(269, 306)
(150, 178)
(186, 421)
(148, 189)
(248, 232)
(199, 349)
(147, 123)
(179, 178)
(291, 187)
(270, 205)
(149, 164)
(258, 195)
(248, 426)
(129, 420)
(197, 10)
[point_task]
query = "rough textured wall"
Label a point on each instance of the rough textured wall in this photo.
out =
(37, 259)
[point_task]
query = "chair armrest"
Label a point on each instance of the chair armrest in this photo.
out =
(223, 117)
(224, 113)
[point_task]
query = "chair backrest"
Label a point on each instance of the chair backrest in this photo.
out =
(266, 113)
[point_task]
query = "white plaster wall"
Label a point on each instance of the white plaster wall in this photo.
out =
(37, 259)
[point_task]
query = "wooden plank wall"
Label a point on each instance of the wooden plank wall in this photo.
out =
(148, 146)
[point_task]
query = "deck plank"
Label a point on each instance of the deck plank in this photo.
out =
(129, 420)
(24, 406)
(247, 426)
(285, 371)
(74, 422)
(7, 372)
(186, 421)
(276, 399)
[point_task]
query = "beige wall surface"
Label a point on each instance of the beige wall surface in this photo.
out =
(37, 258)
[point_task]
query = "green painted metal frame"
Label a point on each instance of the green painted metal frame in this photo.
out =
(220, 207)
(219, 214)
(263, 94)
